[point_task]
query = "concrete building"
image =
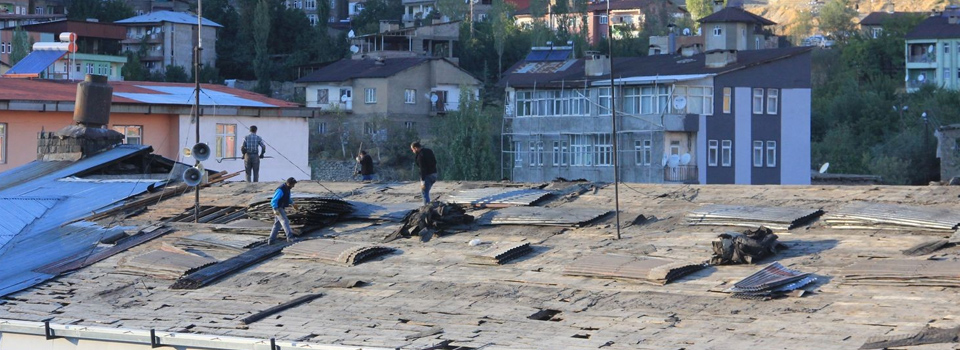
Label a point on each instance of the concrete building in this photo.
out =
(170, 39)
(931, 51)
(160, 115)
(403, 90)
(730, 115)
(417, 10)
(98, 49)
(4, 67)
(142, 7)
(948, 151)
(628, 16)
(435, 40)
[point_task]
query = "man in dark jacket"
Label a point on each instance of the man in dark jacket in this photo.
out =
(282, 198)
(366, 166)
(428, 169)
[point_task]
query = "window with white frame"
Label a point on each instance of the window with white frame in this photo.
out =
(517, 157)
(771, 154)
(346, 94)
(524, 103)
(757, 154)
(132, 134)
(556, 153)
(603, 19)
(3, 143)
(581, 150)
(643, 149)
(410, 96)
(757, 101)
(631, 100)
(675, 147)
(314, 19)
(726, 153)
(712, 150)
(226, 140)
(553, 103)
(323, 96)
(727, 99)
(311, 4)
(603, 99)
(651, 99)
(717, 31)
(370, 95)
(322, 128)
(604, 149)
(536, 153)
(700, 100)
(410, 125)
(773, 99)
(876, 32)
(564, 154)
(757, 42)
(369, 128)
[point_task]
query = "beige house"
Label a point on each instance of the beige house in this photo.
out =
(402, 90)
(170, 38)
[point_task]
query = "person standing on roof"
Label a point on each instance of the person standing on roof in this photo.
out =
(366, 166)
(251, 162)
(428, 169)
(281, 199)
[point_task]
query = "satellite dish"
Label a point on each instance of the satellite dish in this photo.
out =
(187, 152)
(344, 98)
(354, 48)
(201, 151)
(351, 34)
(685, 159)
(664, 161)
(824, 167)
(930, 49)
(922, 77)
(673, 161)
(698, 31)
(434, 98)
(679, 102)
(686, 31)
(192, 176)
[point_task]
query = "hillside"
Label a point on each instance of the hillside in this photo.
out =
(784, 11)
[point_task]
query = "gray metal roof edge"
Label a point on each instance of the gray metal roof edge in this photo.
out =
(145, 108)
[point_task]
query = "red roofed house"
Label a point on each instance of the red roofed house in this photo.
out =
(160, 114)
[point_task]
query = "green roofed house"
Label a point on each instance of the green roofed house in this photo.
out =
(931, 51)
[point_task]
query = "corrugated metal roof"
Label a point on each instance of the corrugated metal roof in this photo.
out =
(167, 16)
(36, 62)
(179, 95)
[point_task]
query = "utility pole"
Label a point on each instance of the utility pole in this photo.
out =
(196, 101)
(613, 118)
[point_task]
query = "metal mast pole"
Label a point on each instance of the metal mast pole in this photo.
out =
(613, 118)
(196, 99)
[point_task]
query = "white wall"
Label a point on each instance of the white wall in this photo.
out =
(795, 137)
(284, 136)
(742, 160)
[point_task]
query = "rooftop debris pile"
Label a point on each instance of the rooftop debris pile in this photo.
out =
(902, 272)
(429, 219)
(776, 218)
(540, 216)
(500, 253)
(163, 263)
(331, 251)
(644, 269)
(227, 267)
(497, 197)
(881, 216)
(315, 210)
(928, 335)
(745, 247)
(773, 281)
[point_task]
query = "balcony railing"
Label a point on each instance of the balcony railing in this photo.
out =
(680, 173)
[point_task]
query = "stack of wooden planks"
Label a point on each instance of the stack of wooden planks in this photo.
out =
(644, 269)
(775, 218)
(882, 216)
(500, 253)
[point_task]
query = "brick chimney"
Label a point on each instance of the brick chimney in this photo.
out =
(87, 137)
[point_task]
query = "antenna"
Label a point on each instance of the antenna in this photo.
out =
(686, 31)
(824, 167)
(351, 34)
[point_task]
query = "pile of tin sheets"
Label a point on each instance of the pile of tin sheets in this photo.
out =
(163, 264)
(497, 197)
(211, 215)
(500, 253)
(771, 282)
(928, 335)
(315, 210)
(203, 240)
(881, 216)
(644, 269)
(395, 212)
(903, 272)
(775, 218)
(540, 216)
(335, 252)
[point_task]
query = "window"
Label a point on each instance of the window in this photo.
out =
(757, 154)
(712, 153)
(226, 140)
(346, 94)
(410, 96)
(726, 153)
(727, 99)
(314, 19)
(556, 153)
(876, 32)
(369, 128)
(757, 41)
(323, 96)
(536, 153)
(132, 134)
(643, 151)
(757, 101)
(700, 100)
(771, 154)
(675, 147)
(517, 159)
(410, 125)
(717, 31)
(90, 68)
(603, 19)
(773, 96)
(604, 149)
(311, 4)
(581, 151)
(3, 143)
(322, 128)
(604, 101)
(946, 47)
(539, 153)
(370, 95)
(564, 155)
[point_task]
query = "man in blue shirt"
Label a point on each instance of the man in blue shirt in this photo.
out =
(281, 199)
(251, 162)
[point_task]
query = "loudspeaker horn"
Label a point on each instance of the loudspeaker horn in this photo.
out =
(201, 151)
(192, 177)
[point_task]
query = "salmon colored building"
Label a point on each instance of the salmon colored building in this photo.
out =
(160, 115)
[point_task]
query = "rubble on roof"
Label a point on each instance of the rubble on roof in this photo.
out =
(773, 281)
(331, 251)
(928, 335)
(500, 253)
(901, 272)
(315, 210)
(642, 269)
(745, 247)
(776, 218)
(540, 216)
(430, 219)
(882, 216)
(163, 264)
(497, 197)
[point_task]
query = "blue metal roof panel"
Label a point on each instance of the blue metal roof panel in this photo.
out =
(167, 16)
(179, 95)
(36, 62)
(537, 55)
(559, 55)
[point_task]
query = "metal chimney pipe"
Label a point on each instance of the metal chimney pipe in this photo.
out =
(94, 96)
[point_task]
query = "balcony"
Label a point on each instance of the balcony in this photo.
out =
(681, 174)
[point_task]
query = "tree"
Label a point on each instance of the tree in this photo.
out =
(176, 74)
(700, 8)
(503, 26)
(455, 10)
(368, 20)
(21, 45)
(836, 19)
(104, 11)
(467, 141)
(233, 58)
(261, 62)
(802, 26)
(133, 70)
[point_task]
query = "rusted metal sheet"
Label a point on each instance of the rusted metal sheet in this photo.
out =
(163, 264)
(497, 197)
(540, 216)
(882, 216)
(224, 268)
(928, 335)
(903, 272)
(773, 279)
(643, 269)
(332, 251)
(85, 259)
(500, 253)
(381, 211)
(776, 218)
(211, 215)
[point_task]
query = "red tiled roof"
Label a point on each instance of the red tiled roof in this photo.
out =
(12, 89)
